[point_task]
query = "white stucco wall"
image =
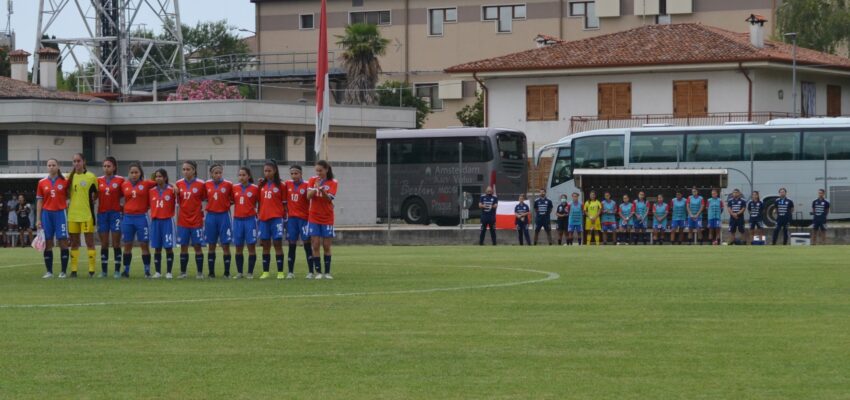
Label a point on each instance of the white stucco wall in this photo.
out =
(768, 83)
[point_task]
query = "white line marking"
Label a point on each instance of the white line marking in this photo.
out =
(17, 265)
(549, 277)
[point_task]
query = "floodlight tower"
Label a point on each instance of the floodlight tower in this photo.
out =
(117, 50)
(7, 36)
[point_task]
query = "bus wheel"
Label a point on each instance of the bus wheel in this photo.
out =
(415, 212)
(770, 212)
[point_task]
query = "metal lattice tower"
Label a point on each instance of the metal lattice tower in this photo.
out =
(118, 52)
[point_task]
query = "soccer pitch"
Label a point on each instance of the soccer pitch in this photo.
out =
(621, 322)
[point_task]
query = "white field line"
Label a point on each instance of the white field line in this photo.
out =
(549, 277)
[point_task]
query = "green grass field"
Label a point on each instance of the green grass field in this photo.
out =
(444, 323)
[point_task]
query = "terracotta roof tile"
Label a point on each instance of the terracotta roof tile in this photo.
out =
(652, 45)
(13, 89)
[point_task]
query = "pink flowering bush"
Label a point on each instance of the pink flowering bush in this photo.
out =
(205, 90)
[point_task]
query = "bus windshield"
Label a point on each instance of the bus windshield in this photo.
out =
(562, 172)
(511, 146)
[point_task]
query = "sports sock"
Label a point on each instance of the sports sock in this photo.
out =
(184, 262)
(127, 259)
(48, 260)
(92, 256)
(308, 250)
(157, 262)
(146, 262)
(169, 261)
(267, 259)
(104, 259)
(252, 261)
(227, 259)
(116, 256)
(278, 258)
(291, 257)
(199, 263)
(240, 262)
(327, 264)
(63, 258)
(211, 256)
(75, 259)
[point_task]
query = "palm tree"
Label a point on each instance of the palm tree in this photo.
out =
(363, 45)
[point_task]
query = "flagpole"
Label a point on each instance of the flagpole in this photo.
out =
(322, 88)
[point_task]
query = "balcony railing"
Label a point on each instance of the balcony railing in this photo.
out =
(589, 123)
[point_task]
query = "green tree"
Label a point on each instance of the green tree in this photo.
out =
(473, 114)
(5, 66)
(211, 39)
(362, 45)
(400, 94)
(820, 24)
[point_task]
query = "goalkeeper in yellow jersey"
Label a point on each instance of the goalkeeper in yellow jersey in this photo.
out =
(82, 195)
(593, 226)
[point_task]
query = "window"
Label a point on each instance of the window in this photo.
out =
(4, 148)
(772, 146)
(475, 149)
(808, 107)
(586, 9)
(408, 151)
(562, 172)
(511, 146)
(833, 101)
(276, 146)
(124, 138)
(357, 3)
(714, 147)
(690, 98)
(503, 15)
(309, 148)
(437, 17)
(835, 143)
(430, 92)
(89, 147)
(615, 100)
(541, 103)
(306, 21)
(656, 148)
(370, 17)
(598, 152)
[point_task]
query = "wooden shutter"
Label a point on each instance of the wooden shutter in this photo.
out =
(833, 100)
(541, 103)
(690, 98)
(615, 100)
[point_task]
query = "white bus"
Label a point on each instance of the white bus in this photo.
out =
(802, 155)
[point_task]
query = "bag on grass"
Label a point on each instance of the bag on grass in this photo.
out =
(38, 242)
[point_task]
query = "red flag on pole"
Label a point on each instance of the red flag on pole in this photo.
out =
(322, 90)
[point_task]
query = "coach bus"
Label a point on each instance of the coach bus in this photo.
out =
(802, 155)
(427, 172)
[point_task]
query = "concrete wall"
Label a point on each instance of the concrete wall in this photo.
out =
(767, 84)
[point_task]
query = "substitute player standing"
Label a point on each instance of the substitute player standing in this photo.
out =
(627, 215)
(680, 217)
(191, 194)
(298, 210)
(696, 206)
(641, 218)
(521, 211)
(660, 211)
(488, 204)
(50, 215)
(715, 212)
(755, 209)
(134, 224)
(609, 218)
(246, 196)
(561, 218)
(575, 220)
(820, 210)
(542, 216)
(163, 203)
(322, 193)
(736, 207)
(592, 209)
(82, 195)
(109, 214)
(217, 225)
(784, 213)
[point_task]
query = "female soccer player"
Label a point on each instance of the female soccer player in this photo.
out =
(109, 215)
(191, 194)
(736, 206)
(50, 215)
(755, 208)
(696, 206)
(322, 193)
(820, 211)
(542, 216)
(82, 194)
(627, 215)
(246, 196)
(24, 210)
(163, 202)
(561, 218)
(521, 211)
(641, 219)
(592, 209)
(272, 197)
(217, 225)
(575, 220)
(784, 214)
(609, 219)
(659, 225)
(679, 207)
(134, 224)
(715, 211)
(298, 210)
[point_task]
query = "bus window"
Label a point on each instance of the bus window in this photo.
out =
(408, 151)
(511, 146)
(656, 148)
(837, 145)
(598, 152)
(714, 147)
(562, 172)
(772, 146)
(475, 149)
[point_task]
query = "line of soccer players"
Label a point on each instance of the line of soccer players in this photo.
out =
(634, 221)
(135, 210)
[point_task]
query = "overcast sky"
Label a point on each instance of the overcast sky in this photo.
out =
(239, 13)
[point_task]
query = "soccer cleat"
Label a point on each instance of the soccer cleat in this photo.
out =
(73, 274)
(290, 276)
(102, 275)
(117, 275)
(199, 276)
(211, 276)
(169, 276)
(47, 275)
(182, 276)
(156, 276)
(317, 276)
(265, 275)
(125, 274)
(237, 276)
(147, 275)
(329, 276)
(281, 275)
(62, 275)
(226, 276)
(91, 275)
(249, 276)
(309, 276)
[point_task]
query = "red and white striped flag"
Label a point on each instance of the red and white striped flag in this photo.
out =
(323, 103)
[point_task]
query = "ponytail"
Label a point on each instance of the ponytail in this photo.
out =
(58, 171)
(326, 165)
(194, 166)
(248, 171)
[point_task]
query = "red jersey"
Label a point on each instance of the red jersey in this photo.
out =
(191, 200)
(136, 196)
(272, 198)
(53, 194)
(163, 202)
(321, 205)
(245, 199)
(219, 196)
(297, 201)
(109, 193)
